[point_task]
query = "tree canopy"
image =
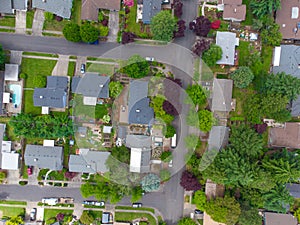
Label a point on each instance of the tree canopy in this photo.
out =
(15, 220)
(189, 182)
(89, 33)
(121, 153)
(212, 55)
(71, 32)
(197, 94)
(115, 88)
(242, 77)
(249, 216)
(86, 218)
(264, 8)
(186, 221)
(271, 34)
(150, 182)
(206, 120)
(200, 200)
(163, 25)
(2, 56)
(201, 26)
(136, 67)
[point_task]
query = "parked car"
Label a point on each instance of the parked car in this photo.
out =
(171, 163)
(150, 59)
(137, 205)
(82, 68)
(33, 214)
(198, 212)
(29, 170)
(95, 203)
(102, 203)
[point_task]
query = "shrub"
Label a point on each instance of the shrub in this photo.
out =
(48, 16)
(23, 76)
(39, 81)
(104, 31)
(166, 156)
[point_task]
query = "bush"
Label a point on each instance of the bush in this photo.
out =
(39, 81)
(48, 16)
(104, 31)
(22, 183)
(166, 156)
(104, 22)
(23, 76)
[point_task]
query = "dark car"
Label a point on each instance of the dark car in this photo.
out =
(198, 211)
(33, 214)
(137, 205)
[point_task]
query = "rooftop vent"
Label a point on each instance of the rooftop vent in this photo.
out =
(101, 85)
(41, 96)
(35, 159)
(137, 110)
(234, 10)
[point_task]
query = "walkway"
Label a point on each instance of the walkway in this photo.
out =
(20, 27)
(61, 67)
(113, 25)
(38, 22)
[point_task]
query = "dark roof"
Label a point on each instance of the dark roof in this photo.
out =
(6, 6)
(279, 219)
(138, 141)
(218, 137)
(61, 8)
(91, 85)
(150, 9)
(294, 190)
(45, 157)
(54, 95)
(90, 8)
(139, 111)
(122, 132)
(19, 4)
(222, 95)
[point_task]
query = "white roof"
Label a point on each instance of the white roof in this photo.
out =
(227, 41)
(6, 146)
(6, 97)
(11, 72)
(135, 160)
(276, 56)
(10, 161)
(45, 110)
(89, 100)
(107, 129)
(49, 143)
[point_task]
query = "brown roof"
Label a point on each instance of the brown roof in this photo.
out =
(286, 21)
(90, 8)
(234, 12)
(279, 219)
(289, 136)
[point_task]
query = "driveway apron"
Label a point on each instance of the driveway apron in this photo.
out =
(20, 22)
(61, 67)
(38, 22)
(113, 25)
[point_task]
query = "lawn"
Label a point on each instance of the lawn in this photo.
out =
(8, 21)
(267, 54)
(240, 95)
(131, 208)
(244, 52)
(106, 69)
(28, 106)
(29, 19)
(71, 68)
(33, 67)
(12, 202)
(12, 211)
(129, 217)
(76, 12)
(41, 54)
(51, 213)
(55, 25)
(249, 15)
(9, 130)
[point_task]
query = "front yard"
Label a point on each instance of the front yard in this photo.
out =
(129, 217)
(106, 69)
(8, 21)
(12, 211)
(55, 25)
(50, 214)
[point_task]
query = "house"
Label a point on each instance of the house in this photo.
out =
(287, 136)
(9, 6)
(90, 8)
(222, 95)
(233, 10)
(60, 8)
(218, 138)
(294, 190)
(279, 219)
(140, 155)
(9, 160)
(44, 157)
(227, 41)
(88, 161)
(287, 17)
(92, 86)
(11, 72)
(286, 58)
(54, 95)
(139, 111)
(150, 9)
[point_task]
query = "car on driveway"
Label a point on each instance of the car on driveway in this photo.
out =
(82, 68)
(33, 214)
(137, 205)
(198, 212)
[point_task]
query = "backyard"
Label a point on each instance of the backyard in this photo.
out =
(9, 130)
(129, 217)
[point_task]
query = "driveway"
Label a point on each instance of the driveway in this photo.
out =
(79, 61)
(38, 22)
(16, 57)
(20, 22)
(113, 25)
(61, 67)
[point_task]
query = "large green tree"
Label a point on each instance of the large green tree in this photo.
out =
(200, 199)
(242, 77)
(121, 153)
(197, 94)
(264, 8)
(136, 67)
(249, 216)
(206, 120)
(271, 35)
(89, 33)
(71, 32)
(115, 88)
(86, 218)
(15, 220)
(163, 25)
(212, 55)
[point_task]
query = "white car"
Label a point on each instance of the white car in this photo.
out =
(171, 163)
(149, 59)
(33, 214)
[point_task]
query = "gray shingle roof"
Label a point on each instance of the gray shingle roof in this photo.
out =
(139, 111)
(122, 132)
(91, 162)
(54, 95)
(227, 41)
(218, 137)
(45, 157)
(6, 6)
(294, 190)
(150, 9)
(222, 95)
(19, 4)
(91, 85)
(138, 141)
(61, 8)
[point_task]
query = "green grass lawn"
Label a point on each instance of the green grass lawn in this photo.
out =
(12, 211)
(124, 216)
(12, 202)
(267, 54)
(50, 213)
(131, 208)
(76, 12)
(28, 106)
(55, 25)
(41, 54)
(8, 21)
(244, 52)
(101, 68)
(71, 68)
(9, 130)
(249, 15)
(240, 95)
(29, 18)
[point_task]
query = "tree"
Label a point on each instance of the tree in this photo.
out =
(121, 153)
(272, 104)
(2, 56)
(264, 8)
(186, 221)
(162, 26)
(181, 28)
(191, 141)
(249, 216)
(177, 6)
(169, 131)
(86, 218)
(136, 194)
(242, 77)
(165, 175)
(23, 76)
(200, 200)
(166, 156)
(271, 35)
(212, 55)
(89, 33)
(201, 26)
(200, 46)
(106, 118)
(60, 216)
(189, 182)
(104, 30)
(252, 109)
(192, 119)
(150, 182)
(128, 37)
(15, 220)
(224, 210)
(169, 108)
(115, 88)
(136, 67)
(205, 120)
(39, 81)
(197, 94)
(71, 32)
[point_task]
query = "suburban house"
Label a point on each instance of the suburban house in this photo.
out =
(9, 160)
(287, 136)
(90, 8)
(294, 190)
(60, 8)
(286, 58)
(54, 95)
(279, 219)
(218, 138)
(233, 10)
(146, 9)
(287, 17)
(10, 6)
(222, 95)
(227, 41)
(140, 155)
(87, 161)
(44, 156)
(139, 111)
(92, 86)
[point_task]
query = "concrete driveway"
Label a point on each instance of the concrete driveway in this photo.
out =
(38, 22)
(113, 25)
(80, 60)
(20, 22)
(16, 57)
(61, 67)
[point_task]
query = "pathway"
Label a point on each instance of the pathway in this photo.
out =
(113, 25)
(38, 22)
(20, 27)
(61, 67)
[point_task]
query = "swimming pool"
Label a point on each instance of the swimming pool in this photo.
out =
(16, 93)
